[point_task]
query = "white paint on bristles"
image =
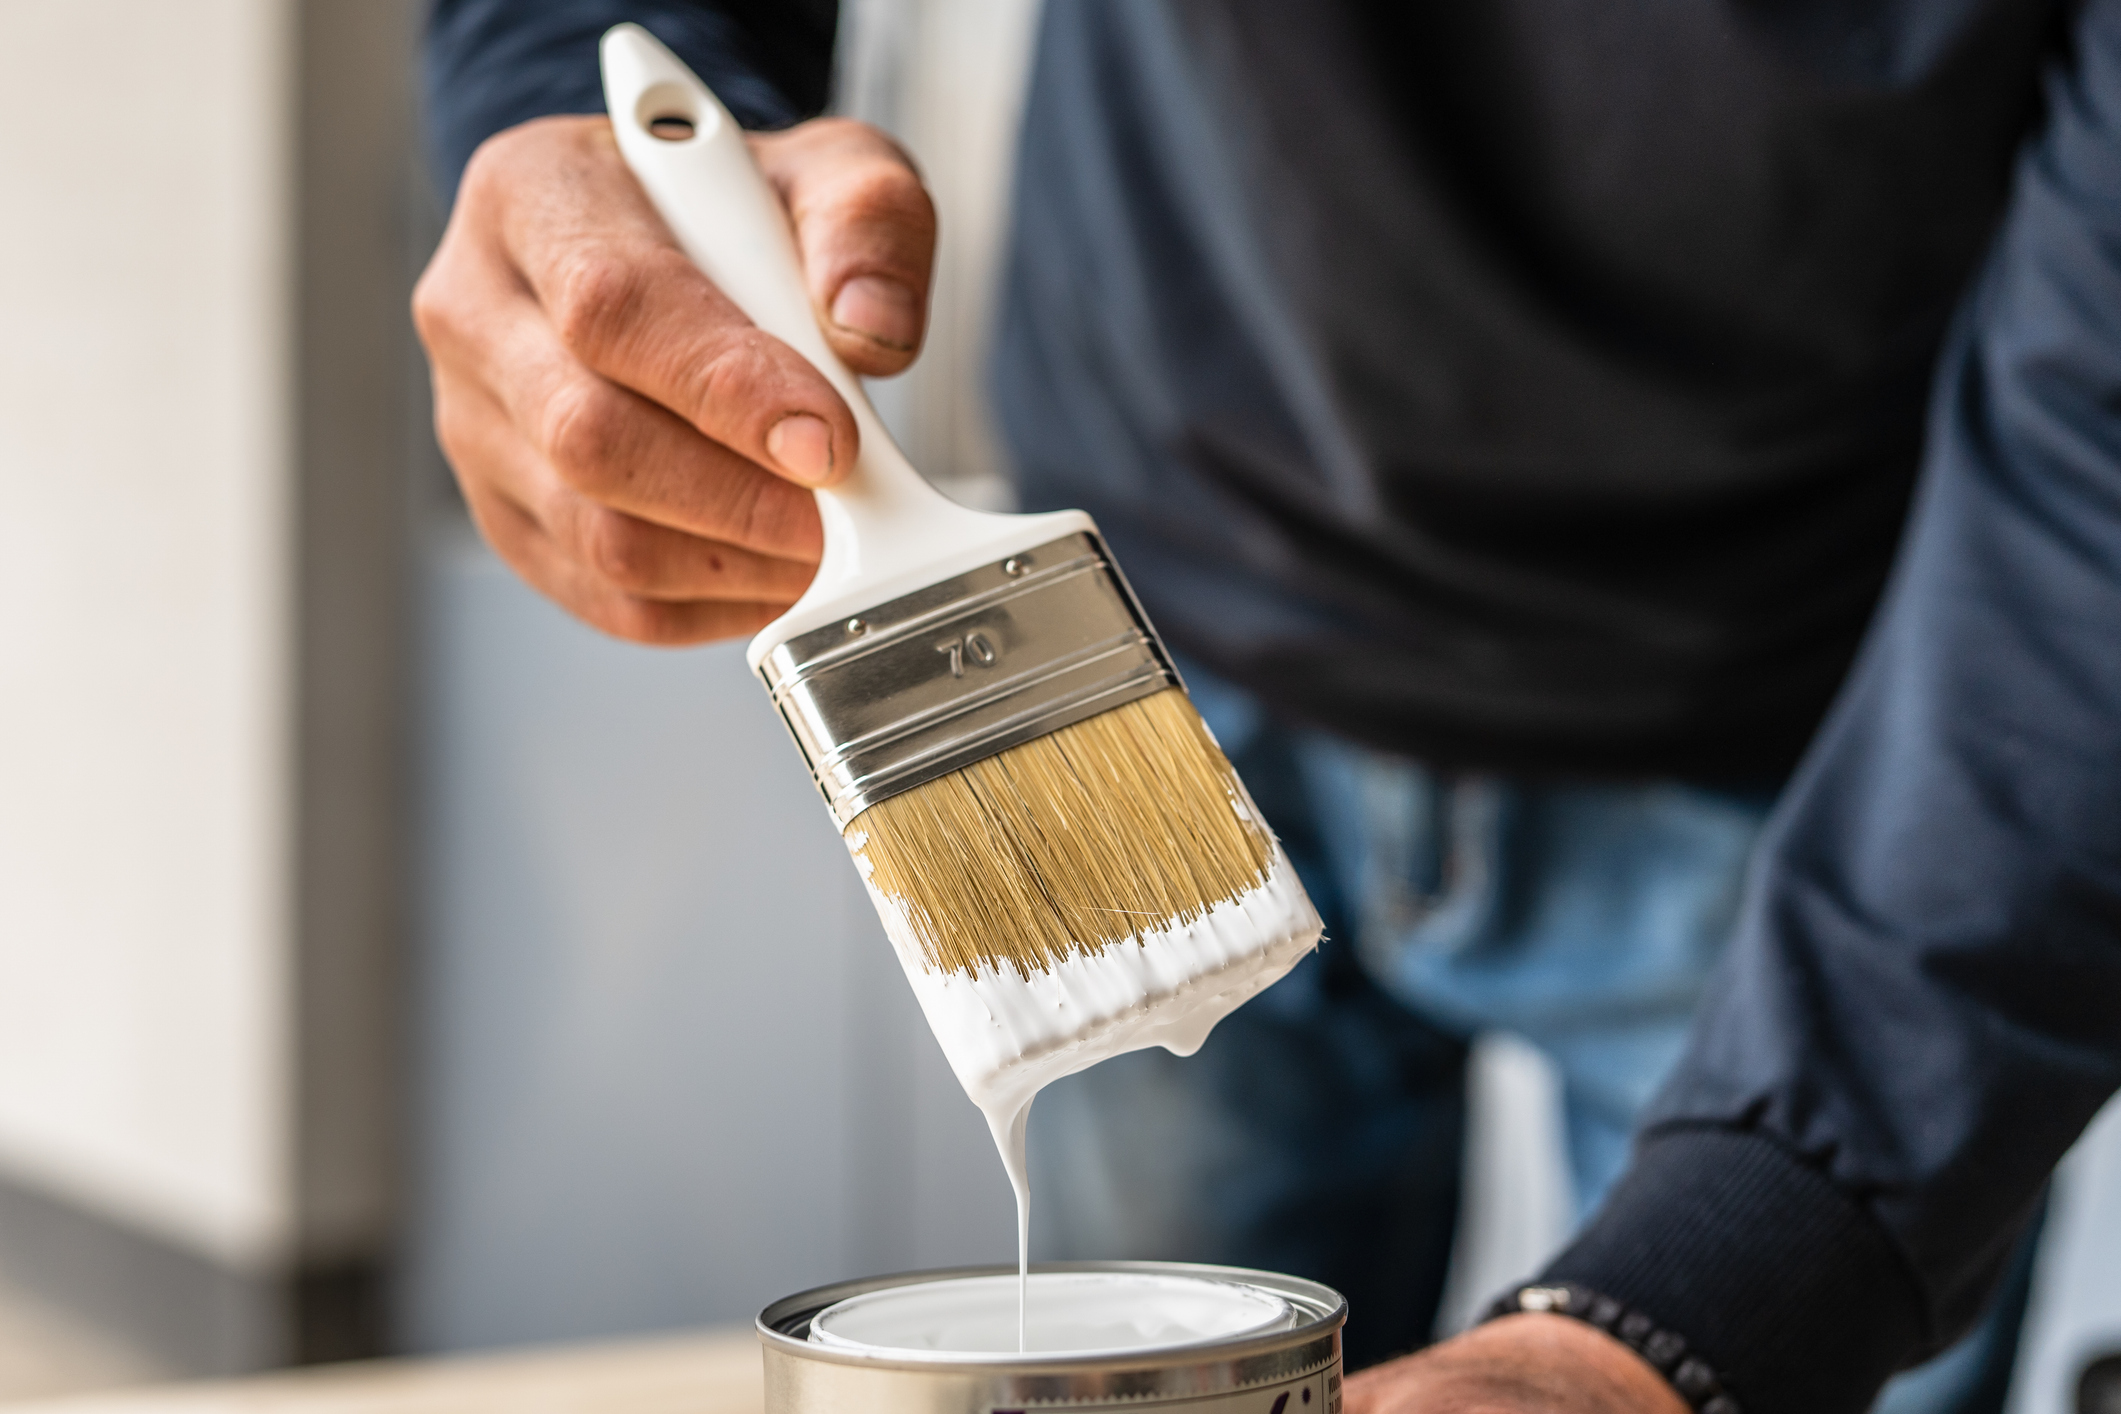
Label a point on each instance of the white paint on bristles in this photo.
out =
(1008, 1036)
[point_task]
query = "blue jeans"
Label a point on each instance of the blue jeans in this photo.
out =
(1319, 1129)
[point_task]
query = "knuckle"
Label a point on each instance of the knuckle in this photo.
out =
(434, 301)
(770, 518)
(584, 427)
(496, 173)
(428, 310)
(495, 160)
(748, 521)
(484, 172)
(618, 548)
(888, 191)
(767, 514)
(595, 295)
(879, 218)
(731, 373)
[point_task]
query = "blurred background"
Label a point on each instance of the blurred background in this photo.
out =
(387, 963)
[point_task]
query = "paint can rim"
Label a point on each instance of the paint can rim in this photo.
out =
(785, 1324)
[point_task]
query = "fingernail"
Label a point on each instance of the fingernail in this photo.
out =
(879, 309)
(801, 445)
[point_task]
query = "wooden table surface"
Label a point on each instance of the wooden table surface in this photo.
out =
(714, 1373)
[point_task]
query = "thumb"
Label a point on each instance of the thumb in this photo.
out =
(866, 230)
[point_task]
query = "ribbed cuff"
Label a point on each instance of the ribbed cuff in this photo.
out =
(1775, 1276)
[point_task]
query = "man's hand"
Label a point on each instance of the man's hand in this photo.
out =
(625, 438)
(1524, 1364)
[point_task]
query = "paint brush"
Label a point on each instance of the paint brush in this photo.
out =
(1060, 851)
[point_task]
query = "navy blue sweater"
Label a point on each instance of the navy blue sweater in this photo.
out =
(1539, 386)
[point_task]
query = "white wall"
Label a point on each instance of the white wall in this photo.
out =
(143, 632)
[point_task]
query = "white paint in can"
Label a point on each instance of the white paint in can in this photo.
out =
(1141, 1336)
(1067, 1313)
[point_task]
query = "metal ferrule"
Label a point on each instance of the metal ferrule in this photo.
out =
(931, 682)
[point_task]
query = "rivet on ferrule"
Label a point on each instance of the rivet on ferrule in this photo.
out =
(1015, 566)
(857, 626)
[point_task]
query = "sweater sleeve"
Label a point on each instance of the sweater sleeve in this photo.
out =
(1922, 1007)
(490, 64)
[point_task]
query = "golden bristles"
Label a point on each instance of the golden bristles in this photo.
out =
(1120, 825)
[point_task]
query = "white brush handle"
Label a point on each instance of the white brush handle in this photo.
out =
(887, 532)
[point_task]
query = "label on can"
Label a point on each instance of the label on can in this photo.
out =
(1315, 1393)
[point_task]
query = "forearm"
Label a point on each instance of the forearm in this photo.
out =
(1923, 1006)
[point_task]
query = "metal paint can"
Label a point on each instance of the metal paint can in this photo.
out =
(1295, 1370)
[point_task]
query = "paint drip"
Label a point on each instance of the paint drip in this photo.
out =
(1008, 1036)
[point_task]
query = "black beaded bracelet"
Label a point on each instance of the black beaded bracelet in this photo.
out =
(1692, 1377)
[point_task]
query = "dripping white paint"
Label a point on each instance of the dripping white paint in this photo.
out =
(1008, 1036)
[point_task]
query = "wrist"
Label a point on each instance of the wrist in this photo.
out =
(1534, 1363)
(1687, 1378)
(1784, 1282)
(1598, 1363)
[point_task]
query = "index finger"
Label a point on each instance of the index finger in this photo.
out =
(628, 303)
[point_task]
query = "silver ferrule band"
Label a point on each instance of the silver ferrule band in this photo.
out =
(931, 682)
